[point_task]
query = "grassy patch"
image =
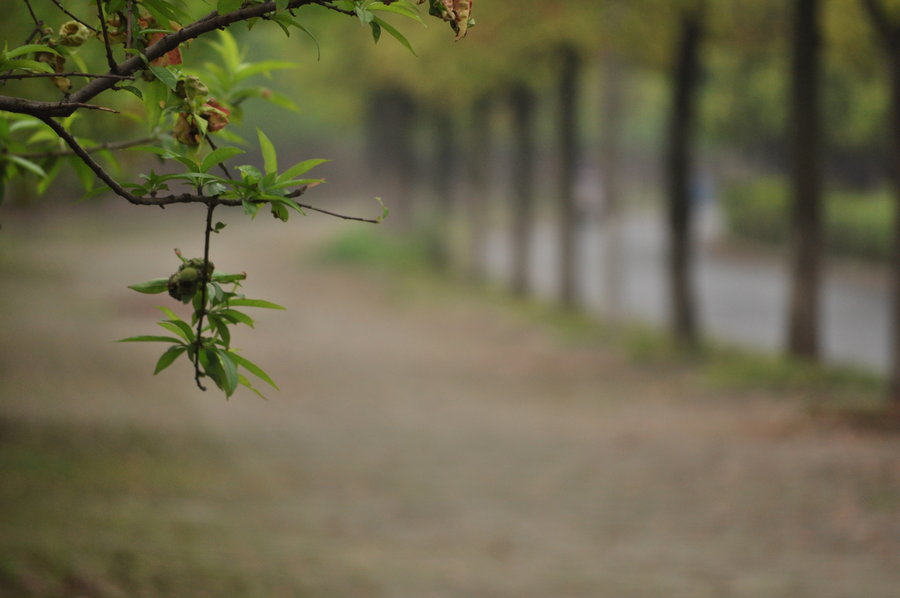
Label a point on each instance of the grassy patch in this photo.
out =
(377, 248)
(101, 512)
(829, 389)
(857, 225)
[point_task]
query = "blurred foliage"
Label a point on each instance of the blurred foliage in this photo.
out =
(857, 224)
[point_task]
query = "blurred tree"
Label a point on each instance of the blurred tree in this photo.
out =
(569, 159)
(806, 218)
(522, 101)
(479, 143)
(682, 129)
(137, 47)
(885, 18)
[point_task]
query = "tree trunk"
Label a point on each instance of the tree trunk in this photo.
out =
(889, 32)
(443, 178)
(390, 116)
(477, 204)
(610, 154)
(681, 141)
(894, 388)
(569, 82)
(806, 235)
(522, 104)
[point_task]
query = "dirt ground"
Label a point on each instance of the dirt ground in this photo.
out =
(424, 444)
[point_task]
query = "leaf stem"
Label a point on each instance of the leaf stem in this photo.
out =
(204, 281)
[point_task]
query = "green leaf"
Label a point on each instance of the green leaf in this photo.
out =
(26, 65)
(180, 328)
(220, 155)
(243, 381)
(234, 316)
(150, 339)
(151, 287)
(401, 8)
(169, 356)
(26, 164)
(222, 328)
(300, 168)
(133, 90)
(155, 96)
(225, 278)
(254, 303)
(270, 158)
(165, 76)
(395, 34)
(28, 49)
(253, 369)
(384, 209)
(230, 370)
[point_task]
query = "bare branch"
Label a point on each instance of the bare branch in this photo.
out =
(113, 67)
(336, 215)
(881, 20)
(45, 109)
(51, 75)
(73, 17)
(166, 44)
(120, 145)
(131, 65)
(129, 24)
(37, 22)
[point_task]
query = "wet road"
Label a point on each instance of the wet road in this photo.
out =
(742, 295)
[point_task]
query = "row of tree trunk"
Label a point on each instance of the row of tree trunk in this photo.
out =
(802, 339)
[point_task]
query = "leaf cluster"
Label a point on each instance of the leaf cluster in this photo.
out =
(209, 347)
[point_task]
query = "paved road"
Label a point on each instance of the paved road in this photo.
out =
(743, 298)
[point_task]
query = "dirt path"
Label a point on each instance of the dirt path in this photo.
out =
(429, 446)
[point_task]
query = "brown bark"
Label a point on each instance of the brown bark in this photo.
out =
(522, 104)
(610, 156)
(569, 83)
(477, 204)
(889, 33)
(806, 235)
(680, 157)
(443, 177)
(391, 116)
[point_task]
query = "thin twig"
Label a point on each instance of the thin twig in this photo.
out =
(120, 145)
(129, 66)
(129, 24)
(204, 281)
(37, 22)
(91, 107)
(113, 67)
(63, 8)
(341, 216)
(221, 164)
(45, 75)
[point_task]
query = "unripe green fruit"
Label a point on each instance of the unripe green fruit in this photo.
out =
(188, 275)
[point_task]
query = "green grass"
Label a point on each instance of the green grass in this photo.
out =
(857, 225)
(718, 366)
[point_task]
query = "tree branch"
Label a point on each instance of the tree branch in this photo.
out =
(336, 215)
(881, 20)
(111, 146)
(130, 66)
(37, 22)
(113, 67)
(87, 75)
(63, 8)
